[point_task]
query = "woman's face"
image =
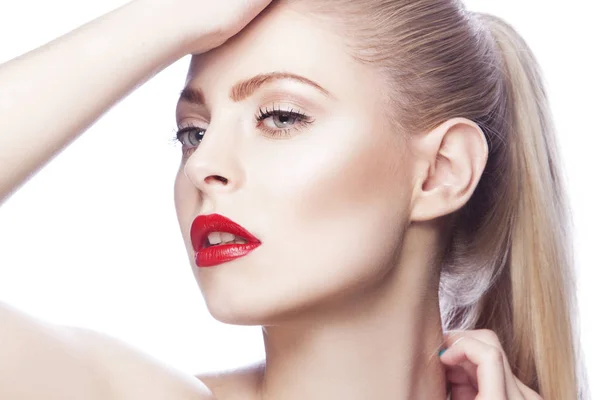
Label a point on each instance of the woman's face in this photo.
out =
(327, 194)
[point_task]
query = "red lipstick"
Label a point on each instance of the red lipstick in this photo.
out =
(208, 256)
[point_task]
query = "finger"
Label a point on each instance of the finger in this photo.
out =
(457, 375)
(489, 337)
(489, 361)
(466, 367)
(462, 385)
(465, 372)
(527, 392)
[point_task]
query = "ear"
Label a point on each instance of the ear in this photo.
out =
(450, 161)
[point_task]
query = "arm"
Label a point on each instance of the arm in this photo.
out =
(50, 95)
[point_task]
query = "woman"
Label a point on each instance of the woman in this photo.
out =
(415, 123)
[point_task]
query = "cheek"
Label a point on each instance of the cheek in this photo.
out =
(181, 195)
(337, 202)
(345, 164)
(187, 203)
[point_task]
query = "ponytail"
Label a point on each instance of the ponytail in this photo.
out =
(544, 349)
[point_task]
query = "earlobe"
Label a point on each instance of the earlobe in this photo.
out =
(454, 155)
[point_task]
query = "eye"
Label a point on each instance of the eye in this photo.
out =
(282, 121)
(190, 136)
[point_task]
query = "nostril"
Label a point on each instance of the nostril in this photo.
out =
(217, 177)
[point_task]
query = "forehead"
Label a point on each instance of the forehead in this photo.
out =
(282, 39)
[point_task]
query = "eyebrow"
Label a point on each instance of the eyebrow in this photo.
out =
(246, 88)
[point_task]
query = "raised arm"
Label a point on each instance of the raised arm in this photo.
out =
(50, 95)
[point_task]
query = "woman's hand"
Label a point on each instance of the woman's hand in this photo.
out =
(122, 49)
(477, 368)
(205, 24)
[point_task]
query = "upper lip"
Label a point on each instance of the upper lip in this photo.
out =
(205, 224)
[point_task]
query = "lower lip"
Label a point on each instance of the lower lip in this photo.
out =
(215, 255)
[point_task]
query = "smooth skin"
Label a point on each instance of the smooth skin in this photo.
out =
(107, 60)
(433, 177)
(478, 369)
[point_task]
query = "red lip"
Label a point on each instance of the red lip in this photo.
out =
(214, 255)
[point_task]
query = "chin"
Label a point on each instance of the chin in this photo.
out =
(241, 307)
(260, 307)
(232, 316)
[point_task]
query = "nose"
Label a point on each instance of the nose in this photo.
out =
(213, 167)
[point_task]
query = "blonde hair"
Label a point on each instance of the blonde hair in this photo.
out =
(508, 265)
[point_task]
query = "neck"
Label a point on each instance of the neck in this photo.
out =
(382, 344)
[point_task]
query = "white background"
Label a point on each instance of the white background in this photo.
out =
(92, 240)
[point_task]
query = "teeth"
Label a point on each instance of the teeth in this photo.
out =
(215, 238)
(227, 237)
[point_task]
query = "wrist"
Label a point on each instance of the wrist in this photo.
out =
(157, 19)
(165, 19)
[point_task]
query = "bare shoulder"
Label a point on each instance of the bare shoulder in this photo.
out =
(133, 374)
(43, 360)
(240, 383)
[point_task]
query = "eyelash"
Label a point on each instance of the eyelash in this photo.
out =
(300, 121)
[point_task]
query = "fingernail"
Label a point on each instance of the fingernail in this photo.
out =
(441, 352)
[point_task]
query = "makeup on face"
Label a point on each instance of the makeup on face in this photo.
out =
(216, 239)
